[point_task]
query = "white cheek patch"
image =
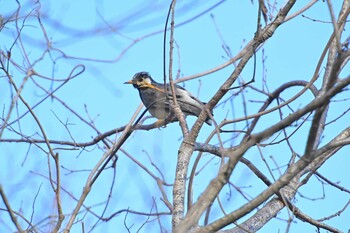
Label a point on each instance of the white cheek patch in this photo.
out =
(148, 80)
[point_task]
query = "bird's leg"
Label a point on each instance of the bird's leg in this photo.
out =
(163, 122)
(160, 123)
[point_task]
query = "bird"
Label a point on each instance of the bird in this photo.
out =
(159, 103)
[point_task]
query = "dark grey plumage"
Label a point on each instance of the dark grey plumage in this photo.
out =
(153, 96)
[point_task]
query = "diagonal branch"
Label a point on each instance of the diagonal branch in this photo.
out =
(187, 147)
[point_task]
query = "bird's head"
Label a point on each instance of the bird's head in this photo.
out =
(141, 80)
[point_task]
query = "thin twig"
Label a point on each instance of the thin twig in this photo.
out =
(9, 210)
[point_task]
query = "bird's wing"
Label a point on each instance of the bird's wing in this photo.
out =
(190, 103)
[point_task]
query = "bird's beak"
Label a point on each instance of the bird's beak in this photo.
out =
(128, 82)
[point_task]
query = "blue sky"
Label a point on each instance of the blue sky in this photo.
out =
(99, 94)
